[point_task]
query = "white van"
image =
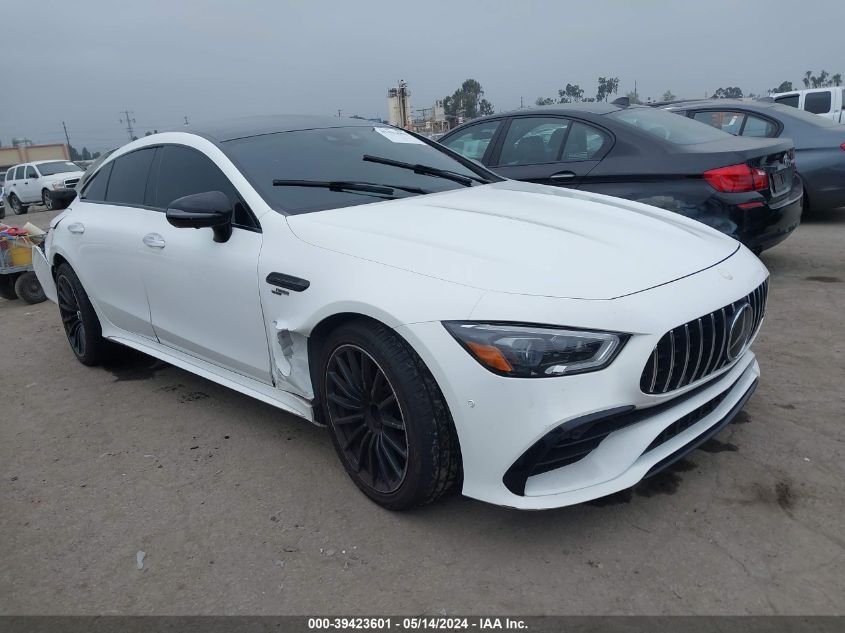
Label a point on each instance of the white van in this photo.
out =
(826, 102)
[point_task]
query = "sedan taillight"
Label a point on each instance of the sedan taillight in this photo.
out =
(737, 178)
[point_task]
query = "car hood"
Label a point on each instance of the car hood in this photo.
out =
(521, 238)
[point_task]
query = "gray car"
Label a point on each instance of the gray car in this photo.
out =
(819, 142)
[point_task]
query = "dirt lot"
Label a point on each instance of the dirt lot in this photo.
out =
(244, 510)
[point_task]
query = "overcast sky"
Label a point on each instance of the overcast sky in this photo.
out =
(83, 61)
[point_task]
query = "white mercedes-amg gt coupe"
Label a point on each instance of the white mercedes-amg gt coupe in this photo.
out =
(536, 346)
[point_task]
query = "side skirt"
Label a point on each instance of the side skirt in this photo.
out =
(248, 386)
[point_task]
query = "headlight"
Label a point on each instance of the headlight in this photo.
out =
(58, 185)
(536, 351)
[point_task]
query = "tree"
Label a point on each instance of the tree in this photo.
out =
(86, 155)
(606, 87)
(95, 155)
(467, 101)
(785, 86)
(731, 92)
(571, 94)
(74, 153)
(668, 96)
(543, 101)
(806, 79)
(836, 80)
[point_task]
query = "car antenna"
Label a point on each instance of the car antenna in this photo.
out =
(622, 102)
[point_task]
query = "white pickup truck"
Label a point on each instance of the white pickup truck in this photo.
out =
(826, 102)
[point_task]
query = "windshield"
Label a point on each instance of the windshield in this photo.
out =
(806, 117)
(337, 155)
(667, 126)
(59, 167)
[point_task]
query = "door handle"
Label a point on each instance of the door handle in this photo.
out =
(76, 227)
(154, 240)
(563, 175)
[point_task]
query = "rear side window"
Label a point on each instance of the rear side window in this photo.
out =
(472, 142)
(128, 180)
(185, 171)
(789, 100)
(19, 172)
(817, 102)
(534, 140)
(10, 175)
(758, 127)
(95, 190)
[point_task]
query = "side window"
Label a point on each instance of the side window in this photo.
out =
(19, 172)
(583, 143)
(789, 100)
(10, 175)
(185, 171)
(30, 172)
(755, 126)
(95, 189)
(730, 122)
(534, 140)
(817, 102)
(128, 179)
(472, 142)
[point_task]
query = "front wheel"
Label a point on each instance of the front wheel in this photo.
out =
(387, 418)
(79, 319)
(17, 206)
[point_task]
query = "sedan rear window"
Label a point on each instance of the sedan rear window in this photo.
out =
(667, 126)
(332, 155)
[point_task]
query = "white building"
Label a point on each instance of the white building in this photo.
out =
(399, 106)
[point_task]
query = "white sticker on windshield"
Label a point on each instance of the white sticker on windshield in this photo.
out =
(395, 135)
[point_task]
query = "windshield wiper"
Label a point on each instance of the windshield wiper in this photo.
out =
(427, 170)
(349, 185)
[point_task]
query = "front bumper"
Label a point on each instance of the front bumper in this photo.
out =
(500, 419)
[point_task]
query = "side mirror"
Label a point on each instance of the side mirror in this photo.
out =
(211, 209)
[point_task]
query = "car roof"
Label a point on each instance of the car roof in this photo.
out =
(589, 107)
(720, 103)
(229, 130)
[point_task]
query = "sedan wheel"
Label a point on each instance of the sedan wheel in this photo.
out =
(365, 414)
(79, 319)
(387, 417)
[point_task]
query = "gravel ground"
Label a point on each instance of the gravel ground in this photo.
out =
(241, 509)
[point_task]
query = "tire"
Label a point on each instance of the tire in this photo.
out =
(29, 289)
(7, 287)
(47, 199)
(375, 392)
(82, 327)
(2, 211)
(17, 206)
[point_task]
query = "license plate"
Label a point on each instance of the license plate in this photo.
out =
(781, 182)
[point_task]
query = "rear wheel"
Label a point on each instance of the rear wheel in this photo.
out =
(79, 319)
(17, 206)
(387, 417)
(29, 289)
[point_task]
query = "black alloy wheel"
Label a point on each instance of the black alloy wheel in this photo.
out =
(71, 313)
(367, 417)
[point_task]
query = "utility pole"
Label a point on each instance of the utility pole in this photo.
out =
(67, 138)
(127, 120)
(186, 120)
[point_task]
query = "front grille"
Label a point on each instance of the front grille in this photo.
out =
(71, 182)
(698, 348)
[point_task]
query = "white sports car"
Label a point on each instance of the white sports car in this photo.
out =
(536, 346)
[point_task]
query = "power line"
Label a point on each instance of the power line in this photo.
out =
(128, 121)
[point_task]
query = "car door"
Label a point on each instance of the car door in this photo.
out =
(28, 187)
(203, 295)
(12, 181)
(549, 150)
(103, 231)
